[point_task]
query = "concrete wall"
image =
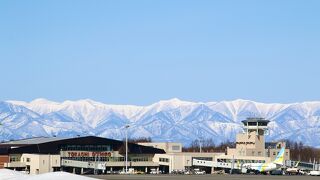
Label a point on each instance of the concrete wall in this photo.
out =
(166, 146)
(250, 144)
(41, 163)
(182, 160)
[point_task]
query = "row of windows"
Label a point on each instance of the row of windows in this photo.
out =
(109, 159)
(175, 148)
(163, 160)
(86, 148)
(203, 158)
(140, 159)
(240, 161)
(242, 153)
(14, 158)
(259, 123)
(104, 159)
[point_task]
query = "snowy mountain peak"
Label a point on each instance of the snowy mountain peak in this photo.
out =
(42, 101)
(174, 102)
(167, 120)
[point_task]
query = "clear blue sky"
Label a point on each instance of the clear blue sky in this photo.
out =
(139, 52)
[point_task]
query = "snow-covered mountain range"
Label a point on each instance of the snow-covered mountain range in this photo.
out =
(169, 120)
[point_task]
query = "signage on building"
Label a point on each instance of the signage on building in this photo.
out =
(87, 154)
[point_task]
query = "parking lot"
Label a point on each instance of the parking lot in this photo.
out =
(200, 177)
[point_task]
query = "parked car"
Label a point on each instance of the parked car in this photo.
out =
(198, 171)
(188, 172)
(314, 173)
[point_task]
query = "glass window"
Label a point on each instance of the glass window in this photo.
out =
(175, 148)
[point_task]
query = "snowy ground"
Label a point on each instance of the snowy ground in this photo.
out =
(6, 174)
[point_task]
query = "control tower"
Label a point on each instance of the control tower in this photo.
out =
(250, 144)
(252, 141)
(255, 126)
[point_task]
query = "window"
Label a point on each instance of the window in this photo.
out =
(176, 148)
(28, 160)
(274, 153)
(14, 158)
(163, 160)
(279, 146)
(259, 153)
(42, 161)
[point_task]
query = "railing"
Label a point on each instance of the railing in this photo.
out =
(83, 164)
(15, 164)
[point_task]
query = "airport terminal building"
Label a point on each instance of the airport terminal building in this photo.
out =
(87, 155)
(78, 155)
(90, 154)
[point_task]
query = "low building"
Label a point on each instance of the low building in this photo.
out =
(176, 160)
(78, 155)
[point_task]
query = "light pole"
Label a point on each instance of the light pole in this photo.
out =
(200, 143)
(127, 126)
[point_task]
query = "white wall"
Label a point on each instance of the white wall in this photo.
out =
(41, 163)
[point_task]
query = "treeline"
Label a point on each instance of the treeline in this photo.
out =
(208, 145)
(140, 140)
(300, 152)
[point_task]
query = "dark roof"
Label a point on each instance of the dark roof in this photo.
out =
(255, 120)
(36, 140)
(53, 147)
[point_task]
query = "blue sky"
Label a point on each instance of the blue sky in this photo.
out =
(139, 52)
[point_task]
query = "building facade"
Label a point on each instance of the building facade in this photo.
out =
(83, 155)
(251, 145)
(176, 160)
(78, 155)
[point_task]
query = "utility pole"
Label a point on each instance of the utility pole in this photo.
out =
(127, 126)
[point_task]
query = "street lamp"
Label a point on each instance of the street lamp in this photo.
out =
(200, 143)
(127, 126)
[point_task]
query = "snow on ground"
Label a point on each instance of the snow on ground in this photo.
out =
(6, 174)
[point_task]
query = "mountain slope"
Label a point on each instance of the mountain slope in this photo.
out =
(169, 120)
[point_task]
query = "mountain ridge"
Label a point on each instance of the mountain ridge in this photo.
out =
(166, 120)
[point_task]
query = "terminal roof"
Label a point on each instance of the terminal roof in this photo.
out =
(53, 145)
(255, 120)
(36, 140)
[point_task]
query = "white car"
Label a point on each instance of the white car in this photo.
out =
(314, 173)
(153, 171)
(199, 172)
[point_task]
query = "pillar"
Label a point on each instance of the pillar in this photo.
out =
(73, 170)
(81, 170)
(146, 170)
